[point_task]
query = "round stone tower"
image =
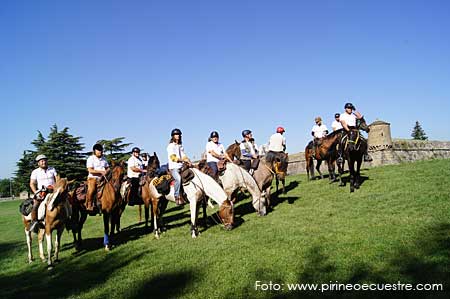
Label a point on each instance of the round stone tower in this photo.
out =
(380, 136)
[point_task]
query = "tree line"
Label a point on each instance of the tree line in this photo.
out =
(66, 153)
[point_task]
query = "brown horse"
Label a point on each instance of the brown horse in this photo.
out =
(57, 214)
(266, 171)
(110, 202)
(327, 151)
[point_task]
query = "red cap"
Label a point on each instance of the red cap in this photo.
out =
(280, 130)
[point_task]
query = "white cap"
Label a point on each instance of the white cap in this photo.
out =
(40, 157)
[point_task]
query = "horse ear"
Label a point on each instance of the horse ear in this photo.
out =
(235, 141)
(57, 177)
(121, 163)
(154, 154)
(113, 163)
(71, 182)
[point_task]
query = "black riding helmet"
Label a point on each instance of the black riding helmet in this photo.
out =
(214, 134)
(349, 105)
(136, 149)
(98, 147)
(337, 115)
(246, 132)
(175, 132)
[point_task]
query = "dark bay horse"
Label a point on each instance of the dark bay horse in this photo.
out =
(327, 151)
(353, 151)
(266, 170)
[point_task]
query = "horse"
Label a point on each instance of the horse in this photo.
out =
(110, 202)
(199, 186)
(233, 178)
(57, 214)
(353, 151)
(327, 151)
(266, 170)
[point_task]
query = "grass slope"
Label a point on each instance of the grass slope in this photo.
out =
(395, 228)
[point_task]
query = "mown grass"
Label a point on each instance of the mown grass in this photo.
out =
(395, 228)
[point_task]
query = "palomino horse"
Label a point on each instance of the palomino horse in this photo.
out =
(233, 178)
(266, 171)
(201, 185)
(327, 151)
(353, 151)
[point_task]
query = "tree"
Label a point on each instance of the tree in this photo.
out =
(115, 149)
(64, 152)
(418, 133)
(5, 188)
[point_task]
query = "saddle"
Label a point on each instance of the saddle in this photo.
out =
(162, 184)
(186, 175)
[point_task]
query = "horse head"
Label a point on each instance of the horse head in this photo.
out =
(153, 164)
(362, 125)
(61, 192)
(353, 139)
(234, 150)
(226, 214)
(280, 165)
(116, 174)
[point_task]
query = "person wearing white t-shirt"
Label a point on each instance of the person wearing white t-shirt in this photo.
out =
(318, 131)
(348, 121)
(277, 144)
(135, 168)
(336, 125)
(215, 151)
(42, 178)
(176, 157)
(97, 167)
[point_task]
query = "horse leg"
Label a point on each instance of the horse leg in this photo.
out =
(193, 207)
(30, 253)
(351, 168)
(106, 218)
(48, 237)
(283, 183)
(147, 214)
(140, 213)
(41, 245)
(59, 233)
(319, 162)
(358, 174)
(341, 172)
(81, 222)
(156, 215)
(205, 216)
(276, 183)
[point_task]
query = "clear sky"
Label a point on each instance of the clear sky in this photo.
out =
(138, 69)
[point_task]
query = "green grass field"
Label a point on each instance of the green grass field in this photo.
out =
(395, 228)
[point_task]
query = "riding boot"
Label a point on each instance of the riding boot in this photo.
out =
(179, 200)
(367, 157)
(34, 226)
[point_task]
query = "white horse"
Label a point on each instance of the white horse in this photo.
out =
(201, 185)
(235, 177)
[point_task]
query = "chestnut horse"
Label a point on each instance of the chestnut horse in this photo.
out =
(327, 151)
(266, 171)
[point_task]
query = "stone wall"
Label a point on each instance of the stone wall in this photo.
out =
(402, 151)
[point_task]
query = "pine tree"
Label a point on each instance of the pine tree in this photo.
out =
(24, 168)
(418, 133)
(114, 149)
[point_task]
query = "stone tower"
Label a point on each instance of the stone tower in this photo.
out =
(380, 136)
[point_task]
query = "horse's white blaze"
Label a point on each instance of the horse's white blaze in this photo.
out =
(53, 196)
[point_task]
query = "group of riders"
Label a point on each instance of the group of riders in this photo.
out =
(97, 166)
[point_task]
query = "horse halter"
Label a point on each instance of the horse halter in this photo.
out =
(349, 141)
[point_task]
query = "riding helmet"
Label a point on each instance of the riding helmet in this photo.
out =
(246, 132)
(337, 115)
(280, 130)
(214, 134)
(98, 147)
(349, 105)
(40, 157)
(175, 132)
(136, 149)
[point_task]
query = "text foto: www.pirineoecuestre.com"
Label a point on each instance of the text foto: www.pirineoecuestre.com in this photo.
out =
(336, 286)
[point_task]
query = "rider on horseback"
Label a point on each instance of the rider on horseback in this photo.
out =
(318, 131)
(215, 152)
(134, 171)
(348, 120)
(248, 152)
(42, 177)
(277, 144)
(97, 167)
(176, 157)
(336, 125)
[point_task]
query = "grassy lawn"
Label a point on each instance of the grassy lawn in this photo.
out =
(395, 228)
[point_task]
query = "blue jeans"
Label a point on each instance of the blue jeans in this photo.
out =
(213, 166)
(177, 177)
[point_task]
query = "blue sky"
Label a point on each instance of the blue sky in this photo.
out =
(138, 69)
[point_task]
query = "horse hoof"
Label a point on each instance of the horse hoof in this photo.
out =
(50, 267)
(107, 248)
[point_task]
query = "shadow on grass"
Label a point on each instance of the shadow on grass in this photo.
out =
(425, 262)
(71, 277)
